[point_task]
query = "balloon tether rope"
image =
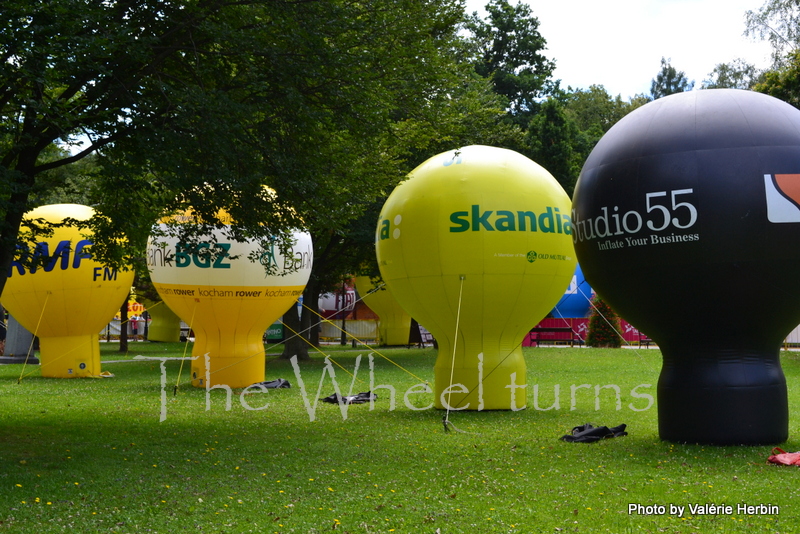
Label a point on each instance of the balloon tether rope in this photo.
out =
(446, 423)
(185, 346)
(598, 312)
(360, 342)
(320, 351)
(324, 320)
(33, 338)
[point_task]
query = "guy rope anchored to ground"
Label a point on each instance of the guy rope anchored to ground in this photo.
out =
(303, 337)
(359, 341)
(33, 338)
(446, 418)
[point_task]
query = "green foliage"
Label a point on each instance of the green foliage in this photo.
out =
(595, 110)
(550, 137)
(507, 49)
(778, 22)
(203, 104)
(470, 112)
(738, 74)
(669, 81)
(783, 82)
(604, 326)
(567, 127)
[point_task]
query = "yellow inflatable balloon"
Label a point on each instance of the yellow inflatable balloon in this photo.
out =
(228, 301)
(395, 323)
(477, 246)
(68, 301)
(164, 325)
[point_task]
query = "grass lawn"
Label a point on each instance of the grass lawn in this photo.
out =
(105, 455)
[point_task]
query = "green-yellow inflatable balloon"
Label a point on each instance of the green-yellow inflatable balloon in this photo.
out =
(476, 245)
(165, 325)
(67, 301)
(395, 323)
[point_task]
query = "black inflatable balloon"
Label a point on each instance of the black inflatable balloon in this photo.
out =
(686, 220)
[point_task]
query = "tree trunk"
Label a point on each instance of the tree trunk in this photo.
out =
(123, 326)
(14, 212)
(3, 323)
(342, 315)
(295, 345)
(311, 318)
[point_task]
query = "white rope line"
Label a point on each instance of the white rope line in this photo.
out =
(302, 332)
(612, 327)
(446, 418)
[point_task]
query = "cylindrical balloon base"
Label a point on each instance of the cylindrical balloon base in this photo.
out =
(236, 366)
(723, 397)
(165, 325)
(484, 381)
(395, 333)
(70, 356)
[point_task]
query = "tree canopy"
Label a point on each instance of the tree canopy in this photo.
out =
(568, 126)
(777, 22)
(669, 81)
(783, 82)
(204, 103)
(507, 48)
(738, 74)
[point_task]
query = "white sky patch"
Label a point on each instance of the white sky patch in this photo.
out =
(619, 43)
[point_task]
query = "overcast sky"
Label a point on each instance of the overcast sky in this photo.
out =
(619, 43)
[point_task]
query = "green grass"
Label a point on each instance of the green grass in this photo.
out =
(91, 455)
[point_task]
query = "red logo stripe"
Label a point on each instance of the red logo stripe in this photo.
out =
(789, 186)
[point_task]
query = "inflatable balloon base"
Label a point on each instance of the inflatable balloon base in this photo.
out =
(480, 383)
(238, 366)
(164, 325)
(70, 356)
(396, 336)
(723, 397)
(394, 327)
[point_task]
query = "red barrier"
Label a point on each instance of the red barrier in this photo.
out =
(552, 330)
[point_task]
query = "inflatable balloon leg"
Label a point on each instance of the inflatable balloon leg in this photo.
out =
(395, 323)
(476, 245)
(69, 300)
(686, 218)
(164, 325)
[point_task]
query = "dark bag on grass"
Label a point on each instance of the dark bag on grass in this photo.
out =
(278, 383)
(589, 434)
(361, 398)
